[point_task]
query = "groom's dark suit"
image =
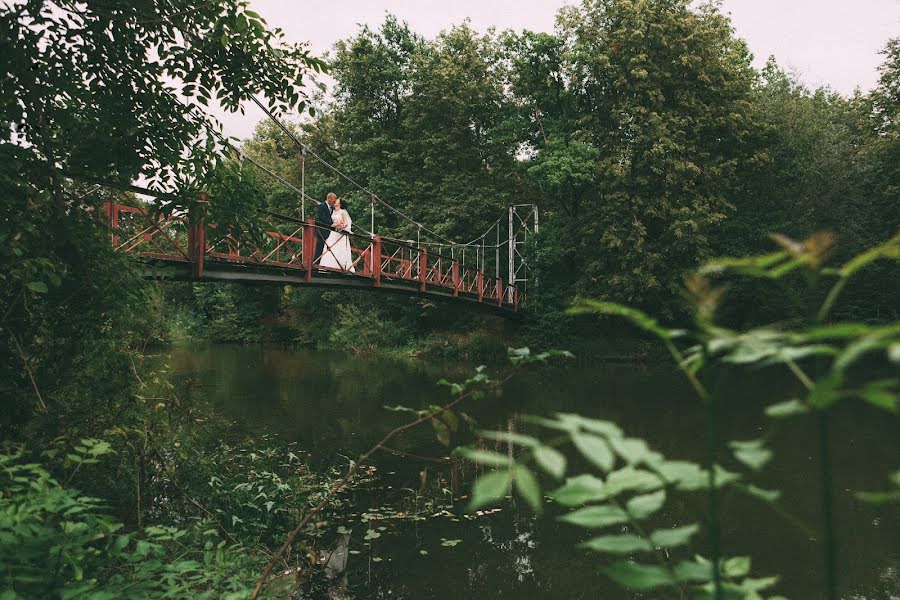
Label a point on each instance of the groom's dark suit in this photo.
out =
(323, 229)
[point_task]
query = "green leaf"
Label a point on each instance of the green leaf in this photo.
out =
(752, 453)
(893, 353)
(557, 424)
(826, 390)
(37, 286)
(759, 583)
(596, 517)
(121, 542)
(754, 266)
(677, 536)
(624, 543)
(724, 477)
(638, 577)
(399, 408)
(766, 495)
(631, 479)
(579, 490)
(641, 507)
(527, 485)
(879, 497)
(510, 437)
(632, 450)
(878, 393)
(878, 337)
(834, 331)
(604, 428)
(550, 460)
(687, 475)
(490, 488)
(787, 408)
(595, 449)
(693, 571)
(737, 566)
(642, 320)
(889, 249)
(883, 497)
(483, 457)
(518, 355)
(441, 431)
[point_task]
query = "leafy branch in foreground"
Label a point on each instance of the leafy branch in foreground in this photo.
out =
(634, 482)
(621, 504)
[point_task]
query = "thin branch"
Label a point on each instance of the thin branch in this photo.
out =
(34, 385)
(692, 379)
(808, 383)
(342, 483)
(442, 460)
(12, 306)
(830, 299)
(196, 503)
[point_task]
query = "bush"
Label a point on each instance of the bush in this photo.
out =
(57, 543)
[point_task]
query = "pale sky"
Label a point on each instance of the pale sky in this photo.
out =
(826, 42)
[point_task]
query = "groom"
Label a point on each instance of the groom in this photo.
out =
(323, 222)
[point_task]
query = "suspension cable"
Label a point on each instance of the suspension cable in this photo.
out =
(337, 171)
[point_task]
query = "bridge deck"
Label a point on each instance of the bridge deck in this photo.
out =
(186, 248)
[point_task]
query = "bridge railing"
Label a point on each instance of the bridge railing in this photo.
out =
(134, 230)
(289, 244)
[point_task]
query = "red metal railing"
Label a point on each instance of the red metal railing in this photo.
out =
(188, 239)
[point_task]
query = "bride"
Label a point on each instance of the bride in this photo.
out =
(337, 254)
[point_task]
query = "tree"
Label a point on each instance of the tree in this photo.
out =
(820, 168)
(108, 92)
(660, 91)
(427, 126)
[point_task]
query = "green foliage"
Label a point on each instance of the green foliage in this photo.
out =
(892, 495)
(623, 495)
(646, 147)
(56, 542)
(637, 483)
(426, 126)
(230, 312)
(71, 307)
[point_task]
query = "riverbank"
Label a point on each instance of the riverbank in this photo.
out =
(363, 324)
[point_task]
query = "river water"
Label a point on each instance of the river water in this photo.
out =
(332, 405)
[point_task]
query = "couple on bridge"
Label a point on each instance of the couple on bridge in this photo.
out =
(333, 223)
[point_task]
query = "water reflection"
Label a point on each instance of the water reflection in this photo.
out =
(332, 405)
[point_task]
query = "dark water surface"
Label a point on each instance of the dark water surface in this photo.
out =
(332, 405)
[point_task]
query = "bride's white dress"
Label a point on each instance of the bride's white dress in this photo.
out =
(337, 254)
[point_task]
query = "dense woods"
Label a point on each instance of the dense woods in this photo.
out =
(641, 130)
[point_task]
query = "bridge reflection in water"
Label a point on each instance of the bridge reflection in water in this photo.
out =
(192, 249)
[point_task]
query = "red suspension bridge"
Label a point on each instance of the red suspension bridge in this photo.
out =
(188, 247)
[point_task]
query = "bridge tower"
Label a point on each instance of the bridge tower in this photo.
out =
(523, 222)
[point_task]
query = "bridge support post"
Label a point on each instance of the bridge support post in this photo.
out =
(423, 268)
(500, 292)
(197, 238)
(309, 247)
(112, 220)
(515, 298)
(455, 278)
(480, 286)
(376, 261)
